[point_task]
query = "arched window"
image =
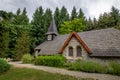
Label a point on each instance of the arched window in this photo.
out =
(79, 51)
(71, 51)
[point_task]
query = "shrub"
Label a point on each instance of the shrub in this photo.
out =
(93, 67)
(55, 61)
(87, 66)
(27, 58)
(75, 66)
(113, 68)
(4, 66)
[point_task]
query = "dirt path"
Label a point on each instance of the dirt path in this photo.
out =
(67, 72)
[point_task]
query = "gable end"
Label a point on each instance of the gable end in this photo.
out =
(80, 41)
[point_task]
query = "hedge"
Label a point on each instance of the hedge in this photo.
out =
(55, 61)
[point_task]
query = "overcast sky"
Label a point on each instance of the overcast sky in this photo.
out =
(91, 8)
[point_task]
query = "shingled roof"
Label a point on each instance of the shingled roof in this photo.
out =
(52, 28)
(102, 43)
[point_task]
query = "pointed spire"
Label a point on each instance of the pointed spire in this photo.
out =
(52, 28)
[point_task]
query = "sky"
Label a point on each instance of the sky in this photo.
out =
(91, 8)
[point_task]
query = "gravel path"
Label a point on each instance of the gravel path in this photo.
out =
(67, 72)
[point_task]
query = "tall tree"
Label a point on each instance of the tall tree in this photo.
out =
(47, 18)
(115, 14)
(74, 13)
(57, 17)
(105, 21)
(4, 40)
(23, 45)
(21, 18)
(81, 14)
(64, 16)
(38, 28)
(25, 19)
(95, 23)
(18, 11)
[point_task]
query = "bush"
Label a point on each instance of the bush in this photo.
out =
(4, 66)
(27, 58)
(55, 61)
(93, 67)
(113, 68)
(87, 66)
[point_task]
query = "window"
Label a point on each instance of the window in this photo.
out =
(71, 51)
(79, 51)
(38, 50)
(49, 37)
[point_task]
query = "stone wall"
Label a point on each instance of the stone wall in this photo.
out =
(74, 43)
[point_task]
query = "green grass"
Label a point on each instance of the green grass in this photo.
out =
(32, 74)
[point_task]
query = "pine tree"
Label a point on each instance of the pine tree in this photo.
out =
(74, 13)
(115, 14)
(57, 17)
(95, 23)
(24, 17)
(38, 28)
(21, 18)
(23, 45)
(18, 11)
(81, 14)
(105, 21)
(64, 16)
(47, 18)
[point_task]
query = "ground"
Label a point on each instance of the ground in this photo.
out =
(66, 72)
(33, 74)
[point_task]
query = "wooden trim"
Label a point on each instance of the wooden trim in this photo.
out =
(80, 41)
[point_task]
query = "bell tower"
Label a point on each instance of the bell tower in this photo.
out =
(52, 31)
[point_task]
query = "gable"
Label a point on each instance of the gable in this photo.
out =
(74, 34)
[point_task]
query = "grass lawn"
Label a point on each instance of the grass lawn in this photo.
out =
(32, 74)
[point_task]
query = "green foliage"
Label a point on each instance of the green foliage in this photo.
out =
(4, 66)
(4, 40)
(40, 24)
(74, 13)
(105, 21)
(114, 68)
(55, 61)
(20, 18)
(57, 17)
(93, 67)
(47, 18)
(27, 58)
(74, 25)
(81, 14)
(115, 14)
(22, 46)
(60, 16)
(87, 66)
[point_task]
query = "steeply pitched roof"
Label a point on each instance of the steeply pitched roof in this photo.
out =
(104, 42)
(52, 28)
(78, 38)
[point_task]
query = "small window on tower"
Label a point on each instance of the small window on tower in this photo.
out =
(49, 37)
